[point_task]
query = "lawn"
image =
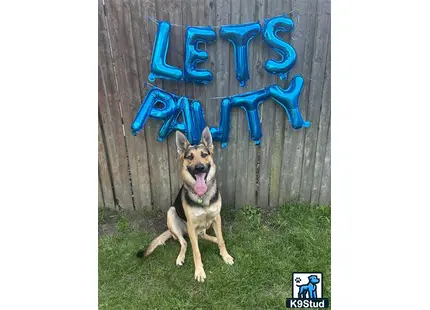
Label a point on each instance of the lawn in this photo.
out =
(267, 248)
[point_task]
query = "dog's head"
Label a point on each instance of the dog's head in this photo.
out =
(313, 279)
(197, 161)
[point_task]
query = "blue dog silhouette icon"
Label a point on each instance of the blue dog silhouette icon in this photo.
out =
(309, 290)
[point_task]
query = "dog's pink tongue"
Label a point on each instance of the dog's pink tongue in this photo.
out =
(200, 188)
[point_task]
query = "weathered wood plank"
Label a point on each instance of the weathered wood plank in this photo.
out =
(142, 42)
(262, 80)
(246, 150)
(110, 114)
(315, 97)
(302, 39)
(234, 18)
(105, 182)
(242, 133)
(157, 152)
(121, 16)
(259, 77)
(280, 121)
(198, 19)
(144, 31)
(325, 193)
(222, 88)
(324, 124)
(101, 203)
(272, 119)
(211, 107)
(172, 11)
(187, 19)
(256, 44)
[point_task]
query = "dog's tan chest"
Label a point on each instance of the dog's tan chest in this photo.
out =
(202, 218)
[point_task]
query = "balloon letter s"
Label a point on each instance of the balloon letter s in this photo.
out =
(288, 55)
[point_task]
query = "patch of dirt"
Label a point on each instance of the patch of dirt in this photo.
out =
(110, 220)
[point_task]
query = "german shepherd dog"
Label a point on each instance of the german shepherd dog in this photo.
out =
(197, 206)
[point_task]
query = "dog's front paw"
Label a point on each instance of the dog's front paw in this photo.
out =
(180, 260)
(229, 260)
(200, 274)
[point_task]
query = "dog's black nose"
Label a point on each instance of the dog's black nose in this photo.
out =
(199, 167)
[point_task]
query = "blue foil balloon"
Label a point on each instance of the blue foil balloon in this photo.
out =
(172, 123)
(223, 131)
(270, 35)
(172, 107)
(240, 36)
(159, 67)
(249, 102)
(289, 100)
(194, 120)
(193, 55)
(147, 108)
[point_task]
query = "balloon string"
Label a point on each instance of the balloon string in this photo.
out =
(214, 98)
(147, 83)
(217, 26)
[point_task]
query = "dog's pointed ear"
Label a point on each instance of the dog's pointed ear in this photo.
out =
(207, 139)
(181, 142)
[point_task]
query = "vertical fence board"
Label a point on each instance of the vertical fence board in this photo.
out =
(322, 138)
(233, 179)
(198, 19)
(315, 96)
(158, 152)
(140, 149)
(187, 19)
(324, 198)
(169, 12)
(276, 190)
(245, 149)
(302, 39)
(101, 203)
(234, 18)
(211, 107)
(265, 114)
(104, 174)
(270, 157)
(110, 114)
(254, 46)
(122, 15)
(222, 88)
(280, 121)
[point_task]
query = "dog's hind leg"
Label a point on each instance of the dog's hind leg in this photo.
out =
(178, 229)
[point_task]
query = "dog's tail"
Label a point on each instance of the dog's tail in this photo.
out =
(156, 242)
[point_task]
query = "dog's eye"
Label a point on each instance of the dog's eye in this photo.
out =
(204, 155)
(190, 157)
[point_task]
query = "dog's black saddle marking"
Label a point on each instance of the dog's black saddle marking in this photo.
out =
(178, 205)
(214, 197)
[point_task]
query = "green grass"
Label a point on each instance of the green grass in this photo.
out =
(267, 248)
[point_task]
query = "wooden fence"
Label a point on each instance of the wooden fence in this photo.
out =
(138, 172)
